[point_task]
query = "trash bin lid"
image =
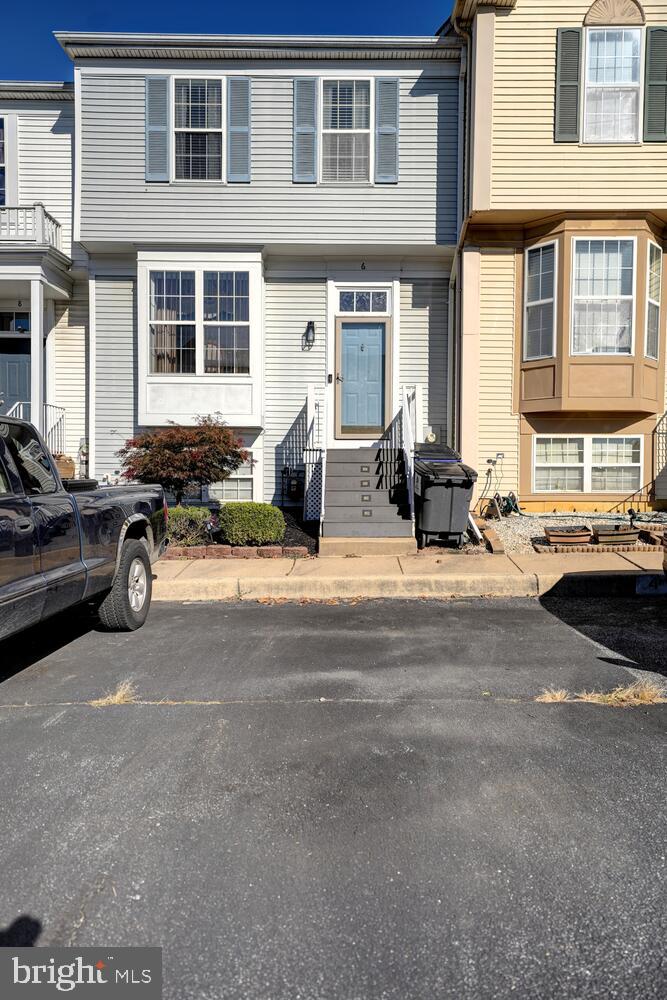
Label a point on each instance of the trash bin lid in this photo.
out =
(436, 453)
(444, 472)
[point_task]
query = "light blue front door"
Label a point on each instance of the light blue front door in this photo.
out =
(361, 379)
(14, 371)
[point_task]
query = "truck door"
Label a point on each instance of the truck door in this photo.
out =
(55, 518)
(22, 586)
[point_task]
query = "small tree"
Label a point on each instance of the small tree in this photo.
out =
(182, 458)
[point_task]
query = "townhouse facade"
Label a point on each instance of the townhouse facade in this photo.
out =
(561, 271)
(346, 245)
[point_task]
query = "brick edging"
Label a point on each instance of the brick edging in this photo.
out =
(236, 552)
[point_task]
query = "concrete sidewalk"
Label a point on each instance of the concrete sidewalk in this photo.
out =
(428, 574)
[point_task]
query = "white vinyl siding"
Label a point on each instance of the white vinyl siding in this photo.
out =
(653, 301)
(115, 370)
(71, 365)
(603, 296)
(612, 98)
(540, 302)
(587, 464)
(45, 144)
(119, 207)
(424, 346)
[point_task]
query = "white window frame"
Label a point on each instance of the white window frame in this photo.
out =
(353, 289)
(584, 103)
(223, 128)
(606, 238)
(652, 243)
(224, 323)
(243, 474)
(541, 302)
(321, 131)
(586, 465)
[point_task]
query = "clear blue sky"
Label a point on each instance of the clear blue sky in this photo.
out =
(31, 53)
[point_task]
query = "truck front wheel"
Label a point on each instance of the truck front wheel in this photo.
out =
(125, 607)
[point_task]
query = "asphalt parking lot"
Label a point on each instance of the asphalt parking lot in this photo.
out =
(344, 802)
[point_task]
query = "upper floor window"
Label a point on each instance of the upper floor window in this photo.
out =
(3, 185)
(346, 130)
(612, 94)
(603, 296)
(198, 129)
(653, 298)
(540, 314)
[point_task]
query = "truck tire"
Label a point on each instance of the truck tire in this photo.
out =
(125, 607)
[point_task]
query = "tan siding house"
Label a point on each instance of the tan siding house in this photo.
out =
(561, 277)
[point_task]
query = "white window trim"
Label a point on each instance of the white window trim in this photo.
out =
(652, 243)
(223, 128)
(365, 288)
(321, 131)
(180, 389)
(539, 246)
(584, 88)
(606, 238)
(587, 464)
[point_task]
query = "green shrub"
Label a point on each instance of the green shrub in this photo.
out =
(251, 524)
(187, 525)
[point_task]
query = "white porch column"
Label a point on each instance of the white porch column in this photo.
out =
(37, 353)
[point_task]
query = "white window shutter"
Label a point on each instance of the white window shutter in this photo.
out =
(238, 129)
(386, 131)
(305, 130)
(157, 128)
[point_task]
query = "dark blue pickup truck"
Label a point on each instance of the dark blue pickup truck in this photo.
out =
(66, 542)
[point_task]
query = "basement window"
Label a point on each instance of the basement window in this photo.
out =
(588, 464)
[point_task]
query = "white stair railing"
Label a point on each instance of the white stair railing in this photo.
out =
(54, 428)
(314, 454)
(408, 400)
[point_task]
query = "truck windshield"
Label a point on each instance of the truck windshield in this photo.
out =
(30, 459)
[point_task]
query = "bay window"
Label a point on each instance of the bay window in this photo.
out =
(540, 312)
(613, 88)
(653, 298)
(346, 131)
(603, 296)
(587, 464)
(198, 129)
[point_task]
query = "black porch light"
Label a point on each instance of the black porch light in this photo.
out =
(309, 336)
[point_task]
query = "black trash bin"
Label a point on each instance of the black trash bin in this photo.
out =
(443, 491)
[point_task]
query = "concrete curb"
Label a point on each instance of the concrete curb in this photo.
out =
(325, 588)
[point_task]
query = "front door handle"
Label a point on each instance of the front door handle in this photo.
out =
(24, 524)
(339, 378)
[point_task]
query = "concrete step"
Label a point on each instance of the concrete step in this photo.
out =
(332, 547)
(367, 529)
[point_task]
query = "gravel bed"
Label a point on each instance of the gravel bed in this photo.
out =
(518, 532)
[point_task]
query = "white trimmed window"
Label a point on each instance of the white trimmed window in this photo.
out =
(653, 299)
(603, 296)
(198, 129)
(613, 84)
(346, 131)
(540, 314)
(587, 464)
(238, 485)
(3, 165)
(226, 322)
(364, 301)
(172, 328)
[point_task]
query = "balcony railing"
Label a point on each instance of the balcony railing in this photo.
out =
(30, 224)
